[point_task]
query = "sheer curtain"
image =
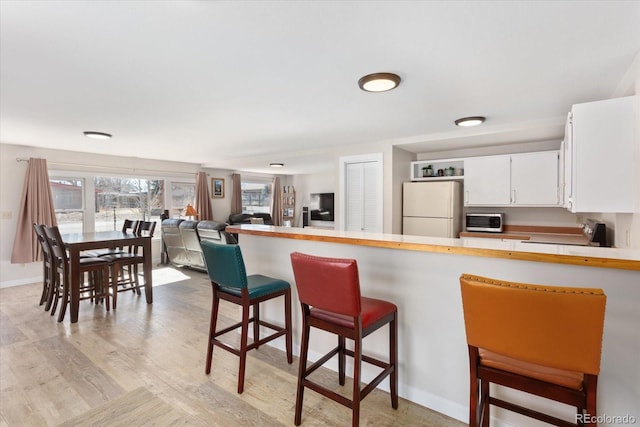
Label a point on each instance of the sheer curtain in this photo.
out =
(236, 194)
(36, 206)
(203, 201)
(276, 201)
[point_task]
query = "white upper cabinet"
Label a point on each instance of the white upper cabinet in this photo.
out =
(599, 156)
(535, 179)
(487, 181)
(528, 179)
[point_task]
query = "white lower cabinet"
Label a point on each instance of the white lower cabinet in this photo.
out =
(528, 179)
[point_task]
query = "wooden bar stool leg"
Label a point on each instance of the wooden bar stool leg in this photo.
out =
(256, 324)
(357, 366)
(393, 361)
(212, 330)
(302, 371)
(244, 336)
(287, 325)
(341, 360)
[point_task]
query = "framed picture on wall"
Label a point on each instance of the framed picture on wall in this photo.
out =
(217, 187)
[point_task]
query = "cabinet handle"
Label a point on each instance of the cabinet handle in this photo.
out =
(466, 197)
(513, 196)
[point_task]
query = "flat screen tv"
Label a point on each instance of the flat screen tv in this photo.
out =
(321, 206)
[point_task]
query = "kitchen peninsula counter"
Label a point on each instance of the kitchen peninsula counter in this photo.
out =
(421, 276)
(626, 259)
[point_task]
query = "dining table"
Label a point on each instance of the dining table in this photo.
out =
(75, 243)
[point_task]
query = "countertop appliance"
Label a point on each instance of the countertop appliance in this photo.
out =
(432, 209)
(593, 234)
(491, 222)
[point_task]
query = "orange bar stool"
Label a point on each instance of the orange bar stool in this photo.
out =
(230, 282)
(329, 292)
(544, 340)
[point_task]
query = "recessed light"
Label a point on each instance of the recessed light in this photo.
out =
(276, 165)
(97, 135)
(379, 82)
(470, 121)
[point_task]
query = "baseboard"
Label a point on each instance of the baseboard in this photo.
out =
(20, 282)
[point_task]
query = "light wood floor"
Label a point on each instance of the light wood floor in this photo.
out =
(144, 365)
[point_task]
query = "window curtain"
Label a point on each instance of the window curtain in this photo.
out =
(36, 206)
(236, 194)
(203, 201)
(276, 201)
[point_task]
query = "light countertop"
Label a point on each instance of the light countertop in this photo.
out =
(627, 259)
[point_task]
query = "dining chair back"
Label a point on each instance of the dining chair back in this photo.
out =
(48, 271)
(329, 293)
(230, 282)
(545, 340)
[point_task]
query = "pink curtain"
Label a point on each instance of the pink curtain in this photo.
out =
(36, 206)
(236, 194)
(203, 201)
(276, 201)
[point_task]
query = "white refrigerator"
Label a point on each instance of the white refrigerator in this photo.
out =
(432, 208)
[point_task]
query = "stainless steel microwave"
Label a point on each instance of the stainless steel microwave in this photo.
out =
(491, 222)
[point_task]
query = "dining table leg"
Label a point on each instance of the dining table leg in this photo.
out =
(146, 265)
(74, 260)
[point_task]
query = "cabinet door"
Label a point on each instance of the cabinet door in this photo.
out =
(534, 179)
(603, 171)
(487, 181)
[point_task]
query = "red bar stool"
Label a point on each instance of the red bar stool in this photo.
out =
(544, 340)
(329, 292)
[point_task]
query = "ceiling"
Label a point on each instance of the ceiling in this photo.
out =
(239, 84)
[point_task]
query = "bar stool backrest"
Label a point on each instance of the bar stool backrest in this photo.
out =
(225, 264)
(329, 284)
(557, 327)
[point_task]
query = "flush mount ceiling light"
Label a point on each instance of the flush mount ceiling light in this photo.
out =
(97, 135)
(276, 165)
(379, 82)
(470, 121)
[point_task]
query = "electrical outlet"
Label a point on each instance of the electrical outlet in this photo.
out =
(7, 214)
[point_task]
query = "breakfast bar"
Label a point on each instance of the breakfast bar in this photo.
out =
(421, 276)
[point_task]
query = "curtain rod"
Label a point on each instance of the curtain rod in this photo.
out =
(114, 168)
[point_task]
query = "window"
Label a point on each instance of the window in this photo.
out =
(102, 203)
(118, 199)
(68, 202)
(256, 195)
(182, 193)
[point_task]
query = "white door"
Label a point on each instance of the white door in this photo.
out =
(362, 188)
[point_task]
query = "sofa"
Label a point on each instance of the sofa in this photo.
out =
(245, 218)
(181, 240)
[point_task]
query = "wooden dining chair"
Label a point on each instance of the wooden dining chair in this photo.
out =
(329, 293)
(48, 270)
(230, 282)
(544, 340)
(96, 288)
(124, 265)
